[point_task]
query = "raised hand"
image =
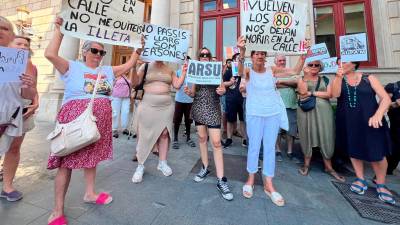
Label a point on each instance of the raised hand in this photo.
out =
(58, 22)
(187, 91)
(241, 43)
(340, 72)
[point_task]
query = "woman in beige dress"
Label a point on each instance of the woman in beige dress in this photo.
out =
(154, 115)
(316, 127)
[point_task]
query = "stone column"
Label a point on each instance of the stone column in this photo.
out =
(160, 11)
(50, 102)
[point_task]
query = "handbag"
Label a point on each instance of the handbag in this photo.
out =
(309, 103)
(70, 137)
(138, 91)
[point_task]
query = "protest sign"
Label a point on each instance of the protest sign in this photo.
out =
(115, 22)
(12, 64)
(354, 48)
(230, 51)
(317, 52)
(209, 73)
(165, 44)
(235, 69)
(248, 63)
(330, 65)
(274, 25)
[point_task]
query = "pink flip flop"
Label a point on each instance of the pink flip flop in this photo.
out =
(61, 220)
(102, 199)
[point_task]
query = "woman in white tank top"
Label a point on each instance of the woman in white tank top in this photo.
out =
(265, 115)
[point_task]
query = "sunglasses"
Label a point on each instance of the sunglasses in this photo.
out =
(314, 65)
(97, 51)
(205, 55)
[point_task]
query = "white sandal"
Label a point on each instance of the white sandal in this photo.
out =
(247, 191)
(276, 198)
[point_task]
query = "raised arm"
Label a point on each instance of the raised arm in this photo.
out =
(284, 72)
(241, 44)
(337, 83)
(51, 52)
(178, 81)
(376, 120)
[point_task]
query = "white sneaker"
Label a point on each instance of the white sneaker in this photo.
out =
(138, 175)
(164, 168)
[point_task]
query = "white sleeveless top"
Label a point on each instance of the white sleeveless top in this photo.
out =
(263, 98)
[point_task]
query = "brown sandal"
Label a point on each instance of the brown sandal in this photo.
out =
(304, 170)
(335, 175)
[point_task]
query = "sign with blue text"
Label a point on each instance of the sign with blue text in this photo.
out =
(165, 44)
(329, 65)
(209, 73)
(115, 22)
(317, 52)
(274, 25)
(354, 48)
(12, 64)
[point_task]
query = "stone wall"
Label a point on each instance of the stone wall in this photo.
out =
(393, 8)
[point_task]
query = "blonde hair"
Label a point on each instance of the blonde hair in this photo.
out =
(5, 20)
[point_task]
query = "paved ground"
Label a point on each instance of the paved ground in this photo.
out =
(175, 200)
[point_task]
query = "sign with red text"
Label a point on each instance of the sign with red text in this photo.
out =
(165, 44)
(115, 22)
(274, 25)
(317, 52)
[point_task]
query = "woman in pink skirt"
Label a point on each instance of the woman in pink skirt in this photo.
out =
(79, 79)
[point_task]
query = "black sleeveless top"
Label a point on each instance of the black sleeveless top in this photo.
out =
(353, 135)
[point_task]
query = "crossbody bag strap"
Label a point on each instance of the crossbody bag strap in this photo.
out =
(95, 89)
(140, 87)
(126, 81)
(318, 84)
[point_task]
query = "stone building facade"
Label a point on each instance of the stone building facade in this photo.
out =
(195, 15)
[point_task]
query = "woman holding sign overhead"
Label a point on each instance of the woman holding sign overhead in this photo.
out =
(361, 129)
(206, 113)
(265, 114)
(155, 114)
(79, 79)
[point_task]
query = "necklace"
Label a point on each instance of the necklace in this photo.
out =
(351, 97)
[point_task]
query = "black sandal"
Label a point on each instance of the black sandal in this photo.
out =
(191, 143)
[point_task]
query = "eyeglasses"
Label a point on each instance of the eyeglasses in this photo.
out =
(205, 55)
(314, 65)
(97, 51)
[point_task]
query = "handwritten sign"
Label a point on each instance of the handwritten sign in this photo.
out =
(274, 25)
(116, 22)
(165, 44)
(354, 48)
(330, 65)
(230, 51)
(317, 52)
(12, 64)
(209, 73)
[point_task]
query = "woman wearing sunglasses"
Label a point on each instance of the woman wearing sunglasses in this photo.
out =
(206, 113)
(265, 115)
(316, 127)
(361, 129)
(79, 79)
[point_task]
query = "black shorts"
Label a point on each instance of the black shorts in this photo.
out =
(233, 109)
(208, 126)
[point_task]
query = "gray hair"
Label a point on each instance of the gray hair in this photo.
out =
(86, 47)
(277, 56)
(9, 24)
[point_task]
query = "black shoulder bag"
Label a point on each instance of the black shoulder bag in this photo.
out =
(138, 91)
(309, 103)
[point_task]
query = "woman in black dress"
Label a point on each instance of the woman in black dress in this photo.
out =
(361, 129)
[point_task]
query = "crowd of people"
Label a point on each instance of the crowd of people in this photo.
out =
(264, 99)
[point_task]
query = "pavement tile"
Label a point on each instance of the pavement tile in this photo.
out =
(18, 213)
